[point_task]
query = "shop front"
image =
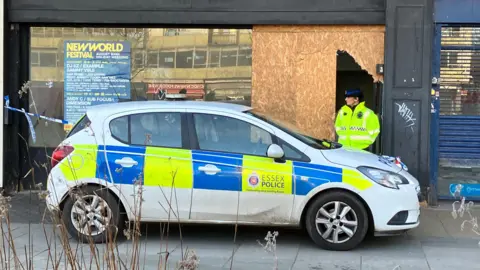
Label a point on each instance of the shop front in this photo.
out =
(455, 100)
(281, 62)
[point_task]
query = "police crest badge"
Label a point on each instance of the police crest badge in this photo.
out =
(359, 115)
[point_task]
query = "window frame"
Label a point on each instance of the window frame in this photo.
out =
(193, 140)
(303, 158)
(193, 133)
(183, 129)
(84, 120)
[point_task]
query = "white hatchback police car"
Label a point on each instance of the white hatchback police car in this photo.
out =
(208, 162)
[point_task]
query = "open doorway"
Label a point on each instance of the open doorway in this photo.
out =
(349, 76)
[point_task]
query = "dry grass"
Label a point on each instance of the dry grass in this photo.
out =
(71, 254)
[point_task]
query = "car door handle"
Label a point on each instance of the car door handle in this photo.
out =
(126, 162)
(209, 169)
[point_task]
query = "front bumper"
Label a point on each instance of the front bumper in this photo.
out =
(394, 210)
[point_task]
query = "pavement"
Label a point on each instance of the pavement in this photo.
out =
(438, 243)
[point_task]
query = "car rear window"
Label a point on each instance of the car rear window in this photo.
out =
(81, 124)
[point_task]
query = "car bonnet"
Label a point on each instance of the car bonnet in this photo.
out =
(354, 158)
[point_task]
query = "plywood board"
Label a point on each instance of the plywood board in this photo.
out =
(294, 70)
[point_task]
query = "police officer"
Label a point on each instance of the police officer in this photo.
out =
(356, 125)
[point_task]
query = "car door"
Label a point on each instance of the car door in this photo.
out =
(160, 161)
(233, 178)
(121, 163)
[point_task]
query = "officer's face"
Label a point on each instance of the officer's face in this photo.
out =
(351, 101)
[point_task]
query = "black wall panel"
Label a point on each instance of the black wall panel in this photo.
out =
(408, 58)
(199, 11)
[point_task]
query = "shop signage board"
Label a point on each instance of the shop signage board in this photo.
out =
(95, 72)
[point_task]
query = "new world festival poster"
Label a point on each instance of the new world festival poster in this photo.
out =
(95, 72)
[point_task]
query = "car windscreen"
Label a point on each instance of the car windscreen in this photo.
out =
(295, 132)
(81, 124)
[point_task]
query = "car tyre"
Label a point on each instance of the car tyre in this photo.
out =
(96, 206)
(321, 213)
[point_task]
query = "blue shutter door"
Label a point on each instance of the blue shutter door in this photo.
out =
(459, 123)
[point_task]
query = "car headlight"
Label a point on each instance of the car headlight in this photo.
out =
(384, 178)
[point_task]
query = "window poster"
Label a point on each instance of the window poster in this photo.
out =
(95, 72)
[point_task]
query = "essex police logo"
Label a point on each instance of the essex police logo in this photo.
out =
(344, 113)
(359, 115)
(253, 180)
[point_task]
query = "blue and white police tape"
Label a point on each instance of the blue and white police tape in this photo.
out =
(29, 120)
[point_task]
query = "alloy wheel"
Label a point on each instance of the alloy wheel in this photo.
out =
(90, 215)
(336, 222)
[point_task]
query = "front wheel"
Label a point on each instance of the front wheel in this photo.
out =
(337, 221)
(92, 214)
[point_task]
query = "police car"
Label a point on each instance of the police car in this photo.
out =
(209, 162)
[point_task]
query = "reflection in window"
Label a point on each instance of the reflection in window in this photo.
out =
(152, 59)
(156, 129)
(226, 134)
(34, 59)
(245, 57)
(166, 60)
(48, 59)
(229, 58)
(200, 58)
(211, 64)
(184, 59)
(139, 61)
(119, 129)
(214, 58)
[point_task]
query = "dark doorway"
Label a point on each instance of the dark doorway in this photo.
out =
(351, 75)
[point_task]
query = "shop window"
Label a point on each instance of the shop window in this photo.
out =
(152, 59)
(200, 58)
(48, 59)
(214, 58)
(166, 59)
(139, 60)
(170, 59)
(245, 57)
(184, 59)
(34, 59)
(223, 37)
(229, 58)
(60, 57)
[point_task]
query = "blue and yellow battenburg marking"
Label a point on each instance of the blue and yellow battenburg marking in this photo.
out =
(182, 168)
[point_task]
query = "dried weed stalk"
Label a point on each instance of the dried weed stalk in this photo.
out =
(271, 246)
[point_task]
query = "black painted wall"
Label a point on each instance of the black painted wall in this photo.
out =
(220, 12)
(408, 61)
(16, 66)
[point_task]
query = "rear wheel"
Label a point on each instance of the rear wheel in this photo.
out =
(337, 221)
(92, 214)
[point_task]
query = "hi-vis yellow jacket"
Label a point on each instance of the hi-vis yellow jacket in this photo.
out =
(357, 129)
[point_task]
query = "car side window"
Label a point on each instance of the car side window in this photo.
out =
(119, 128)
(227, 134)
(154, 129)
(290, 152)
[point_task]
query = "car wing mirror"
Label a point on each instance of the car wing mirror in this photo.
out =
(275, 151)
